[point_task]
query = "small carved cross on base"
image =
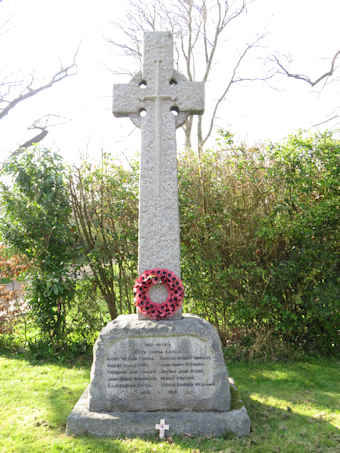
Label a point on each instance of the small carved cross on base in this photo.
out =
(161, 426)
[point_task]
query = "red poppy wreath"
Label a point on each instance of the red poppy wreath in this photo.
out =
(154, 310)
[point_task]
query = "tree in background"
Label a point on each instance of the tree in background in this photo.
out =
(36, 223)
(200, 29)
(14, 91)
(323, 78)
(105, 208)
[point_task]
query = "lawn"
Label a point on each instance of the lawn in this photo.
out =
(294, 407)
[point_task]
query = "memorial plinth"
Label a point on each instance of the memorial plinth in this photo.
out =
(143, 365)
(144, 371)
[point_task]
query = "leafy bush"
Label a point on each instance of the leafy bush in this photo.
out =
(35, 222)
(88, 313)
(260, 231)
(304, 175)
(259, 242)
(105, 208)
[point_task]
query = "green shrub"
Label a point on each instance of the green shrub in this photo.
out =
(88, 313)
(35, 222)
(104, 200)
(260, 240)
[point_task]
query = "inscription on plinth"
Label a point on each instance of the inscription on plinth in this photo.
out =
(159, 367)
(156, 373)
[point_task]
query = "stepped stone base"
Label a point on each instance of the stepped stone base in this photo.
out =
(144, 371)
(139, 424)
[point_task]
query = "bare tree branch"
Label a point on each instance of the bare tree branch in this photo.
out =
(41, 124)
(36, 139)
(233, 79)
(328, 120)
(30, 91)
(305, 78)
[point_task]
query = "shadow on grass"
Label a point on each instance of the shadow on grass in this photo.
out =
(314, 381)
(271, 427)
(76, 360)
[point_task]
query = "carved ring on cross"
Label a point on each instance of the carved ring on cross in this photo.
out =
(177, 77)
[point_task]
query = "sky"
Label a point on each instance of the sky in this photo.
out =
(37, 36)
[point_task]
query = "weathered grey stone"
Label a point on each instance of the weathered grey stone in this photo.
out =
(144, 365)
(140, 356)
(132, 424)
(145, 371)
(166, 98)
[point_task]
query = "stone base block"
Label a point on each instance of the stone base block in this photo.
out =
(168, 365)
(139, 424)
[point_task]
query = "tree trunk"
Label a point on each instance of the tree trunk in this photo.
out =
(187, 131)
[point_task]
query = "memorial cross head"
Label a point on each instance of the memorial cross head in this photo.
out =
(158, 88)
(161, 426)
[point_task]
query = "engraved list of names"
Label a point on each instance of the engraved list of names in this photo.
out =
(162, 367)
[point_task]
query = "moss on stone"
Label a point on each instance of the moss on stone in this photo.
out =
(235, 401)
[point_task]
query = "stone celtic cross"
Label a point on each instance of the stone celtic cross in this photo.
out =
(158, 100)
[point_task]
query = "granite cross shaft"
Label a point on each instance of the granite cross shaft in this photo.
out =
(158, 100)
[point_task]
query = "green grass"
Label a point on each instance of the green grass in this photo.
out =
(294, 407)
